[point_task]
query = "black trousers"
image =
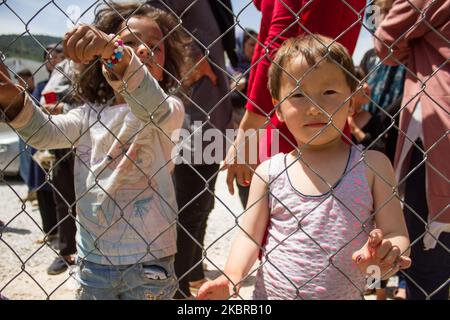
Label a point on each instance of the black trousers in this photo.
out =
(192, 193)
(63, 180)
(430, 269)
(47, 210)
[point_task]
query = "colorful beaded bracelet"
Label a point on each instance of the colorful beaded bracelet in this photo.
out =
(118, 52)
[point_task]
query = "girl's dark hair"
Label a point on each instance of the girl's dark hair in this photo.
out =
(93, 87)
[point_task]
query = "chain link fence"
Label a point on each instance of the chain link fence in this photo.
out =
(110, 200)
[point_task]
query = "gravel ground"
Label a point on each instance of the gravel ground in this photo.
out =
(23, 261)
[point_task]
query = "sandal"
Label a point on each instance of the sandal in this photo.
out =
(50, 238)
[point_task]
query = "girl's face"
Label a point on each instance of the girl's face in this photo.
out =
(143, 33)
(327, 86)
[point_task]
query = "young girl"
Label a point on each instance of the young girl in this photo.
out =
(317, 203)
(126, 207)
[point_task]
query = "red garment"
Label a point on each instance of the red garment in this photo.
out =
(334, 19)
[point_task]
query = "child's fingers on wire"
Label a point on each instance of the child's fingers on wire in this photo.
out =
(72, 42)
(383, 249)
(404, 262)
(375, 238)
(66, 38)
(90, 51)
(391, 257)
(81, 47)
(71, 32)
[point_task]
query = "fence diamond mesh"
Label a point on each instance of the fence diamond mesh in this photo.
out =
(132, 156)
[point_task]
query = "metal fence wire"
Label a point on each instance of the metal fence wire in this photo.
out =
(23, 261)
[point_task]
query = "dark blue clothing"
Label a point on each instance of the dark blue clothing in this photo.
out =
(430, 270)
(386, 82)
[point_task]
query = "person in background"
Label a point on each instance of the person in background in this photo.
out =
(57, 98)
(245, 47)
(33, 174)
(416, 35)
(386, 83)
(25, 79)
(280, 21)
(373, 130)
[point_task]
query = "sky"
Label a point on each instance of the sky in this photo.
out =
(52, 18)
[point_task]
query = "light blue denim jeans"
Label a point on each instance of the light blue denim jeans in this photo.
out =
(154, 280)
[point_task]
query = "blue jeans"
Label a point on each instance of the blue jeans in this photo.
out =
(154, 280)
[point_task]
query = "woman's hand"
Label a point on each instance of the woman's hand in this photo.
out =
(200, 70)
(11, 96)
(380, 252)
(242, 172)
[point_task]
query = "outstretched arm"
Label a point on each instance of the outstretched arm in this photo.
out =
(11, 96)
(246, 245)
(388, 245)
(31, 123)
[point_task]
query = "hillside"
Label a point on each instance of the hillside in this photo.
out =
(25, 46)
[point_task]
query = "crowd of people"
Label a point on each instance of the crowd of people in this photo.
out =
(119, 90)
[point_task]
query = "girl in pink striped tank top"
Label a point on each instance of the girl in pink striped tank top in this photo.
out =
(311, 213)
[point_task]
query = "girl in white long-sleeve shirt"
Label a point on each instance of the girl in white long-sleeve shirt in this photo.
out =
(126, 223)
